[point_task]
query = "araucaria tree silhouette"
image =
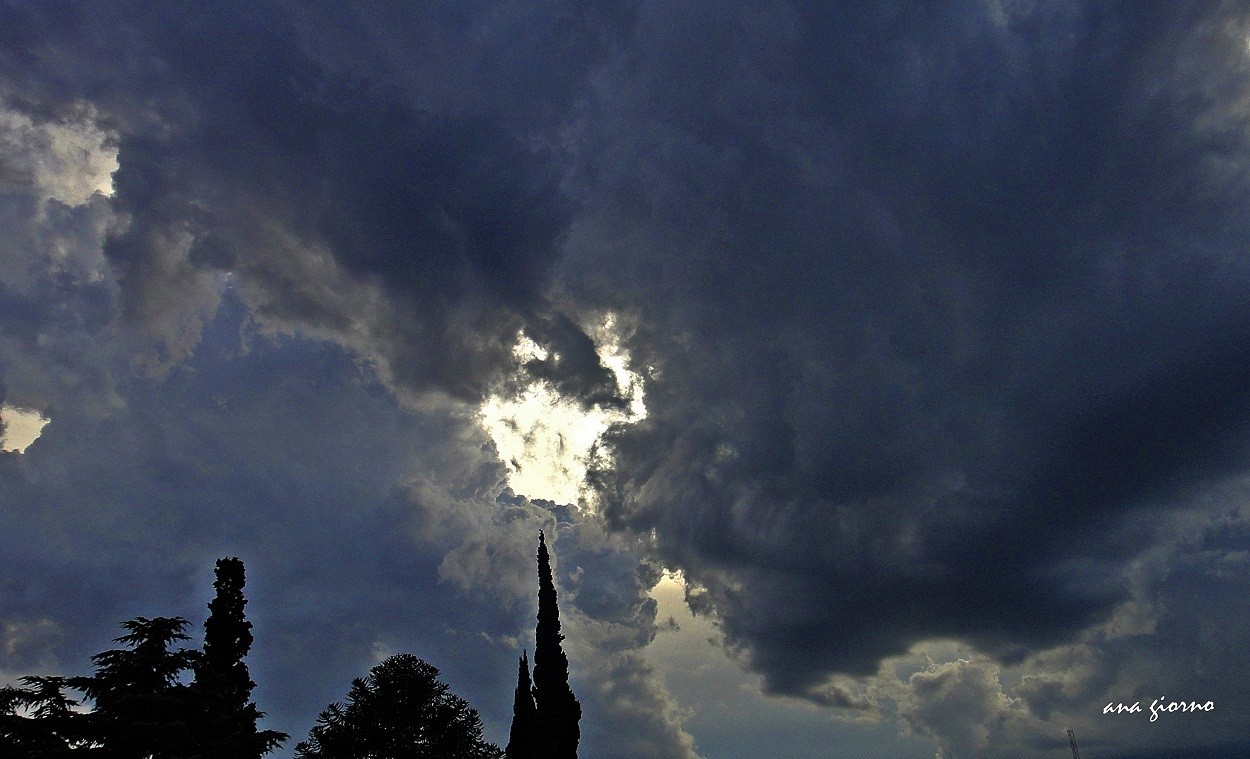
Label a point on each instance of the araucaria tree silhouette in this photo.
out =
(523, 737)
(222, 689)
(400, 711)
(559, 712)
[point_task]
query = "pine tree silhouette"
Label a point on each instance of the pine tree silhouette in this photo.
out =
(559, 711)
(523, 736)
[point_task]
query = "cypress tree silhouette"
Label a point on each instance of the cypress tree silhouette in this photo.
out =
(522, 738)
(223, 686)
(559, 712)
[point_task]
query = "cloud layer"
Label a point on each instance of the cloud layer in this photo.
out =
(941, 314)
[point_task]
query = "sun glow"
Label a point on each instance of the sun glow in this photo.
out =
(545, 439)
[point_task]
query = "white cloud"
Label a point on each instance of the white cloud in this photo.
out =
(960, 705)
(67, 160)
(21, 428)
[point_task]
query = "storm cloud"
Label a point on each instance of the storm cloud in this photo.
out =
(940, 310)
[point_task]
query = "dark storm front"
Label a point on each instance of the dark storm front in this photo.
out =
(937, 317)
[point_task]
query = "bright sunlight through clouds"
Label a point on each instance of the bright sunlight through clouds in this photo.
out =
(546, 439)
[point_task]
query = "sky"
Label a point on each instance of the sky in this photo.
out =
(879, 371)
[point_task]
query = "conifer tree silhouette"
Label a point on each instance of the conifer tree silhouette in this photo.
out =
(523, 736)
(49, 728)
(400, 711)
(222, 688)
(559, 711)
(141, 708)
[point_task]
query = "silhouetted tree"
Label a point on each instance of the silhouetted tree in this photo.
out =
(523, 737)
(558, 709)
(222, 689)
(400, 711)
(38, 721)
(142, 709)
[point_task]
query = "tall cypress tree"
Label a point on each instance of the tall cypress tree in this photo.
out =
(524, 733)
(558, 709)
(223, 686)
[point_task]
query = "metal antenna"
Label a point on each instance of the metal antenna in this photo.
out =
(1072, 740)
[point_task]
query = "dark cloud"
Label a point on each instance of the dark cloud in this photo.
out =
(938, 304)
(572, 364)
(235, 127)
(285, 454)
(942, 313)
(1155, 648)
